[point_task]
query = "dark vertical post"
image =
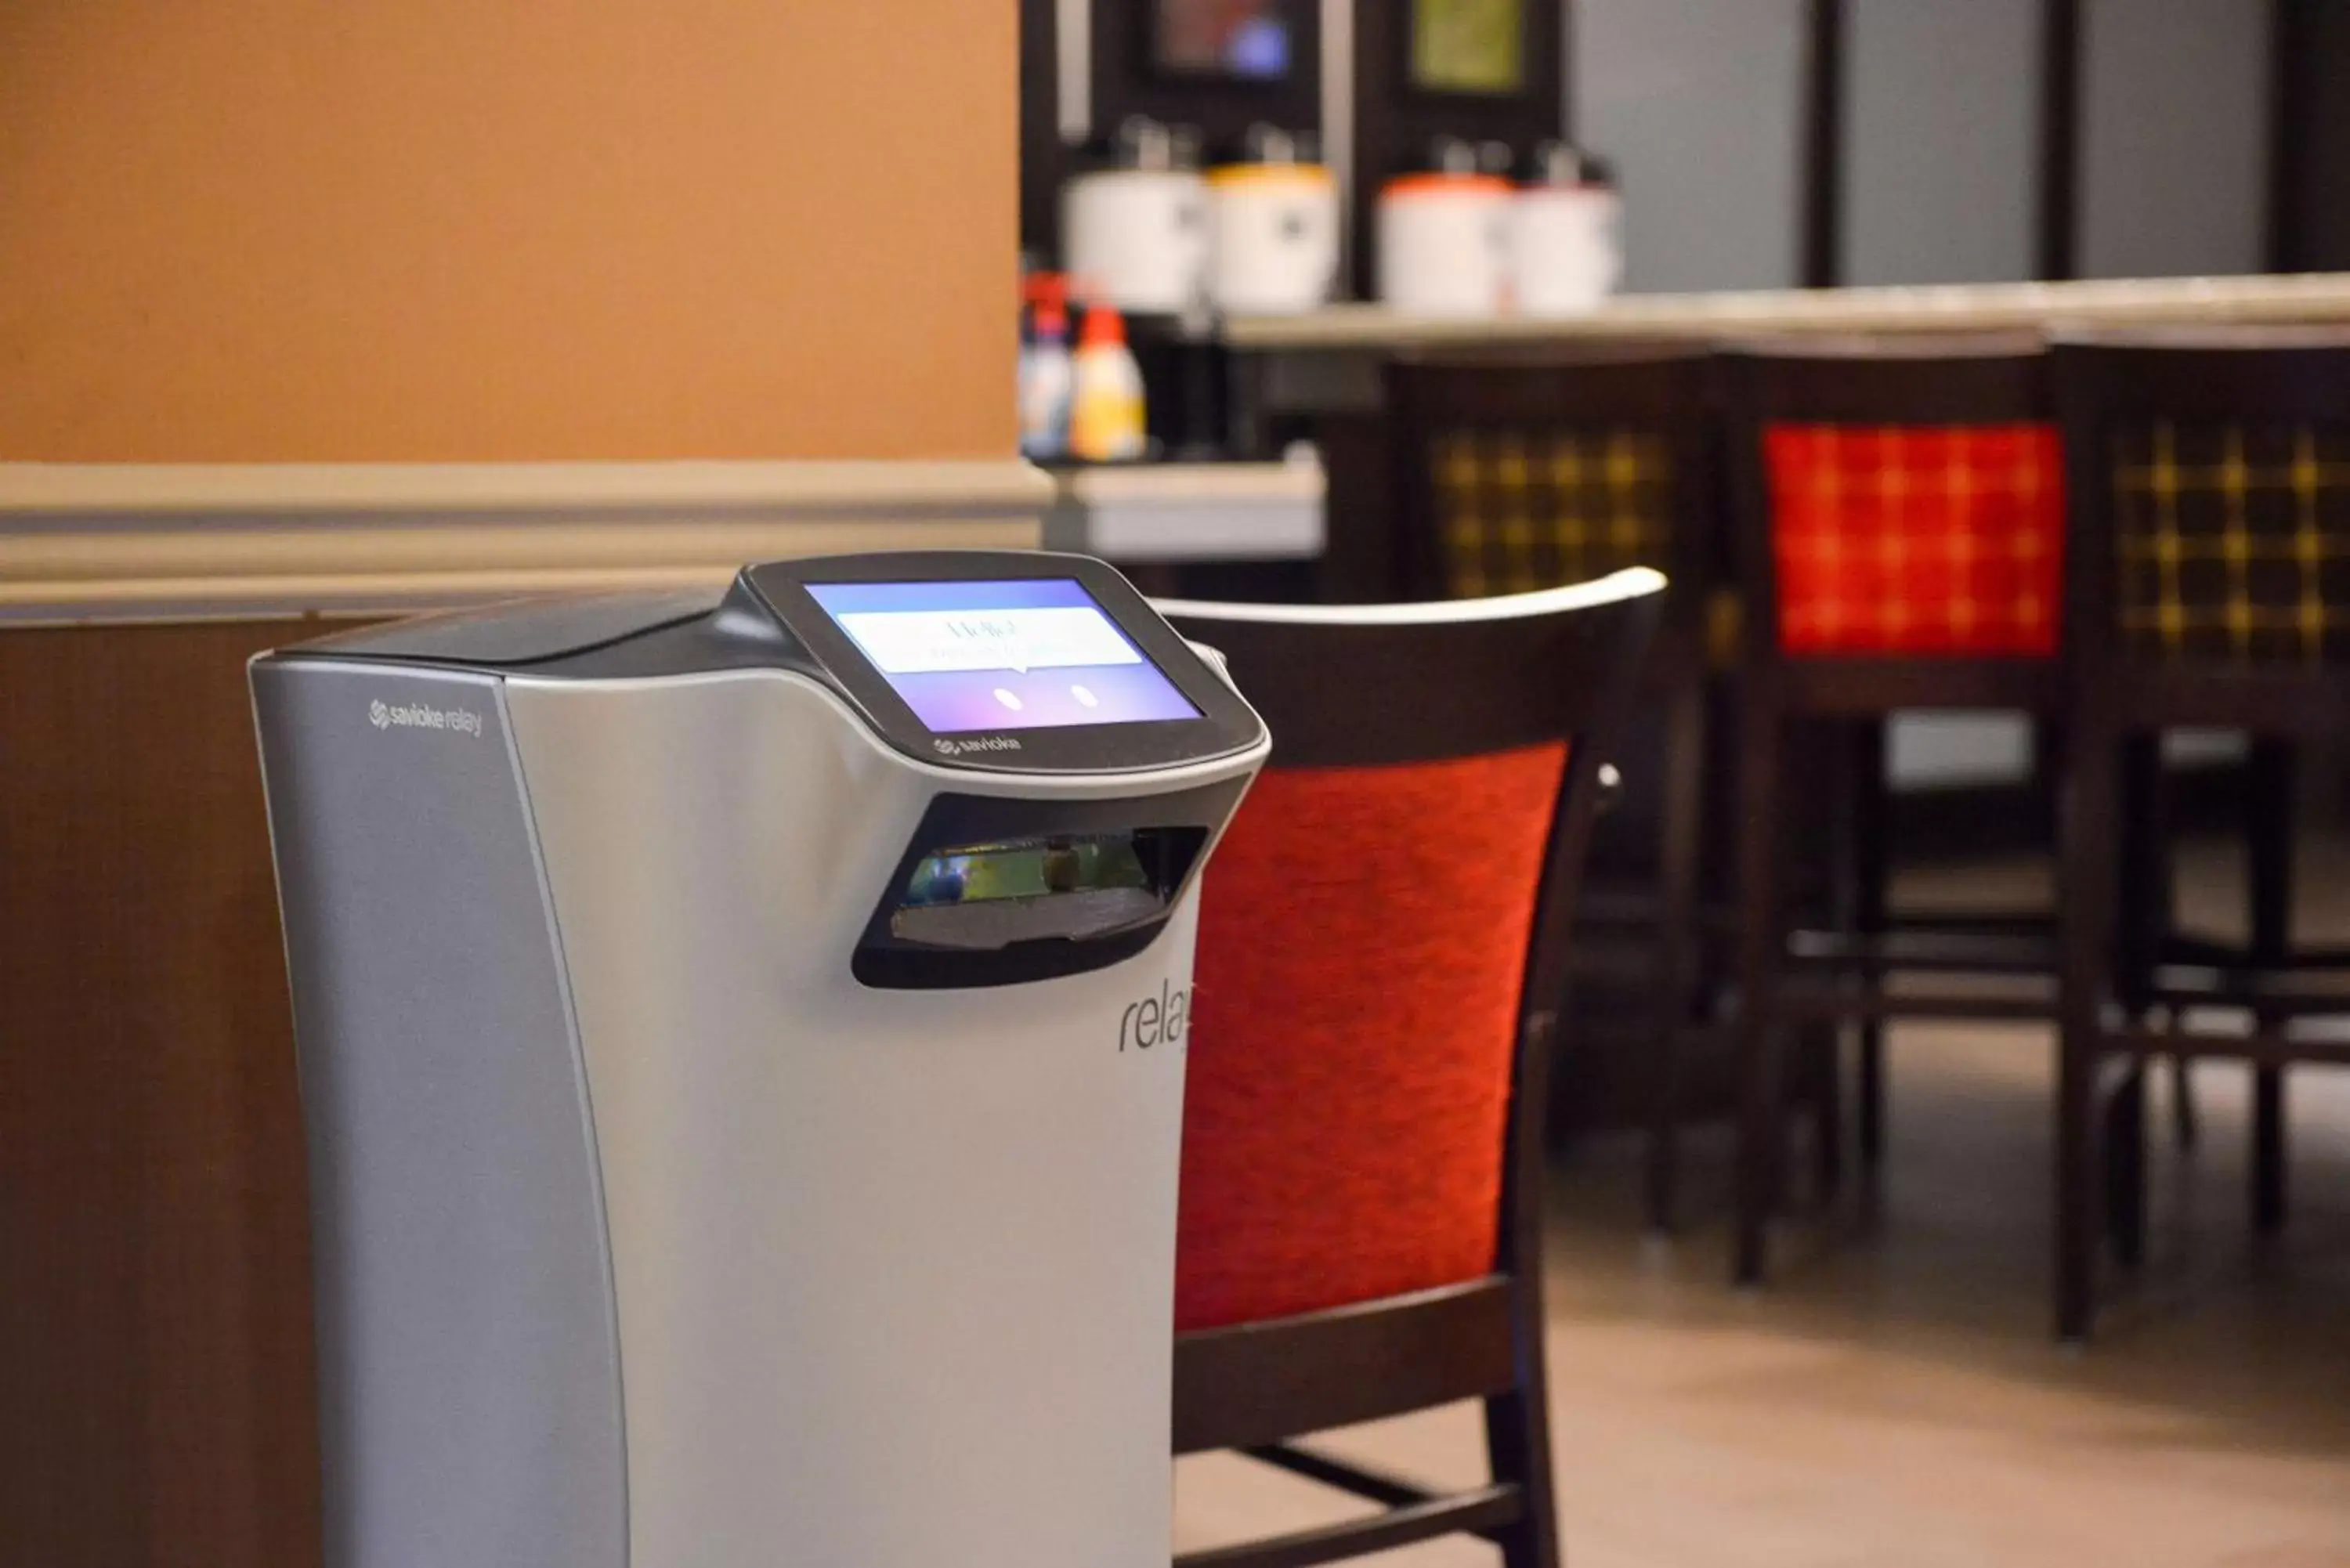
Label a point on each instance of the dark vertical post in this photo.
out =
(1566, 73)
(2268, 853)
(1823, 238)
(1680, 944)
(1871, 827)
(2059, 137)
(1762, 1033)
(2289, 80)
(1040, 131)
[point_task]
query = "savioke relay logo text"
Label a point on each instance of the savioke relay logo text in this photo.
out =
(1161, 1020)
(947, 748)
(386, 715)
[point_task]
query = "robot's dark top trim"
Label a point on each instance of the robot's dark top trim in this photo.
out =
(769, 620)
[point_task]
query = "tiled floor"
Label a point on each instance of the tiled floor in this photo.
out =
(1894, 1398)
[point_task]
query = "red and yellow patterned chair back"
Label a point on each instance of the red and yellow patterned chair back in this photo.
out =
(1515, 475)
(1897, 497)
(1905, 541)
(2232, 542)
(1525, 507)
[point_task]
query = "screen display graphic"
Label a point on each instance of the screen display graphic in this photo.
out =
(1246, 39)
(1467, 45)
(1013, 654)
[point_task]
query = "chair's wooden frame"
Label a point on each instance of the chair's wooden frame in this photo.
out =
(1347, 687)
(2118, 703)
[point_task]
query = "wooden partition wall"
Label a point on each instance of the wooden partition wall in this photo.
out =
(155, 1359)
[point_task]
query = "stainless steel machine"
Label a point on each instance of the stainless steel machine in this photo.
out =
(732, 1136)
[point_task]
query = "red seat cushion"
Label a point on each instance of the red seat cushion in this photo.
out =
(1918, 540)
(1363, 937)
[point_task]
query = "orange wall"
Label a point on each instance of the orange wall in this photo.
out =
(442, 230)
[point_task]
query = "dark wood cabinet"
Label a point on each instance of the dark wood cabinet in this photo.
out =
(156, 1393)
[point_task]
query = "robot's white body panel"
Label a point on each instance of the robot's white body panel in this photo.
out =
(894, 1268)
(673, 1210)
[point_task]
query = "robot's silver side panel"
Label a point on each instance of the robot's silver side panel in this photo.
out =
(894, 1267)
(463, 1279)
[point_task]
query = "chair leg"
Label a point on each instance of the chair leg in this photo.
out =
(1517, 1447)
(2153, 847)
(2268, 844)
(1824, 1058)
(2142, 880)
(1870, 1091)
(2125, 1167)
(2268, 1150)
(2142, 874)
(1872, 865)
(1820, 1044)
(1679, 851)
(1761, 946)
(2186, 1122)
(2085, 900)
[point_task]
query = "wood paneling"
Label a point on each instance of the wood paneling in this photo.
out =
(155, 1353)
(434, 230)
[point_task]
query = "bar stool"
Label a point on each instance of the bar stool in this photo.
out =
(1515, 473)
(1898, 521)
(2209, 477)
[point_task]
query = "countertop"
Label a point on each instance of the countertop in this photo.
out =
(1175, 512)
(2305, 297)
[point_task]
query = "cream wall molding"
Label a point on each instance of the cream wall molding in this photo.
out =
(113, 543)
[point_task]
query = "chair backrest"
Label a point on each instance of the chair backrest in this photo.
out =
(2209, 472)
(1896, 497)
(1515, 473)
(1378, 968)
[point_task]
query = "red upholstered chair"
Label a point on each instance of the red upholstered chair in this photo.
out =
(1360, 1231)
